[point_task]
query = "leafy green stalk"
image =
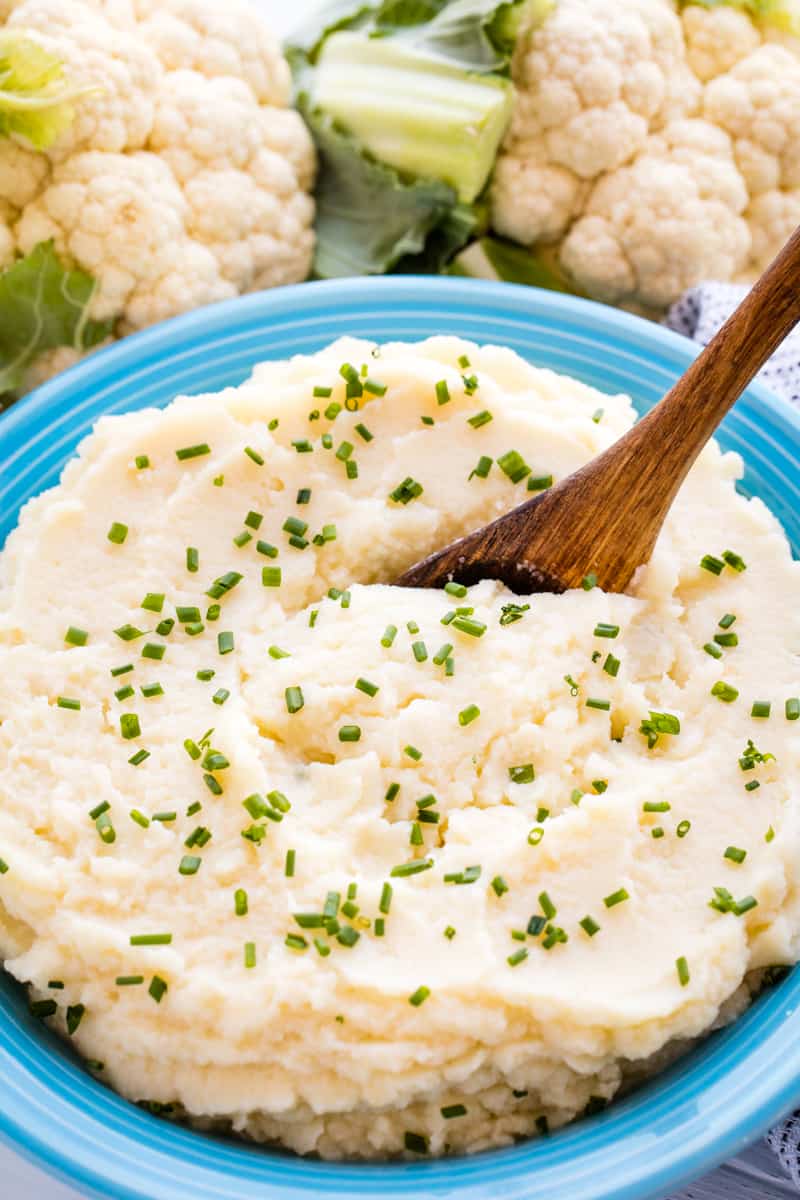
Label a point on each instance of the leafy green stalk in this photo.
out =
(36, 97)
(500, 260)
(368, 218)
(408, 101)
(43, 305)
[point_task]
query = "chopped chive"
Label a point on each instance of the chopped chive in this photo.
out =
(449, 933)
(683, 828)
(709, 563)
(142, 462)
(682, 967)
(271, 576)
(188, 452)
(468, 625)
(294, 699)
(517, 957)
(469, 714)
(350, 733)
(117, 671)
(189, 864)
(761, 709)
(726, 621)
(128, 633)
(470, 383)
(129, 980)
(158, 988)
(611, 666)
(225, 641)
(406, 491)
(479, 419)
(205, 674)
(129, 726)
(42, 1009)
(139, 757)
(76, 637)
(253, 519)
(254, 456)
(364, 685)
(150, 690)
(499, 886)
(589, 582)
(603, 705)
(140, 818)
(385, 902)
(413, 752)
(602, 630)
(597, 415)
(535, 836)
(483, 467)
(419, 996)
(392, 792)
(735, 854)
(453, 1110)
(442, 392)
(363, 432)
(151, 939)
(420, 651)
(75, 1014)
(124, 692)
(192, 559)
(725, 691)
(616, 898)
(250, 954)
(224, 584)
(322, 393)
(414, 867)
(303, 446)
(220, 696)
(117, 533)
(656, 806)
(68, 703)
(589, 926)
(792, 709)
(540, 484)
(153, 651)
(242, 539)
(734, 561)
(713, 649)
(514, 466)
(726, 639)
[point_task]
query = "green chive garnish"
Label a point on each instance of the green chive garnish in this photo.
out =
(294, 699)
(616, 898)
(469, 714)
(682, 967)
(192, 452)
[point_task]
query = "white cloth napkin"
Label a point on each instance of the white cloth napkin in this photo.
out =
(698, 315)
(701, 312)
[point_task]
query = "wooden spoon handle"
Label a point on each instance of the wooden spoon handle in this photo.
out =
(604, 519)
(677, 429)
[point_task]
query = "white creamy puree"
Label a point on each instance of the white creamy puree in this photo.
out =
(317, 1043)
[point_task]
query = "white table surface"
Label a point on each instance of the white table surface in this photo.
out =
(755, 1175)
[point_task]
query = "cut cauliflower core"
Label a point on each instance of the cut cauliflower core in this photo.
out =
(184, 179)
(655, 148)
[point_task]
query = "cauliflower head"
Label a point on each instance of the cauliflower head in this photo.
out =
(654, 144)
(184, 178)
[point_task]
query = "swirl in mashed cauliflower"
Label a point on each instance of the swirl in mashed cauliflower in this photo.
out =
(369, 871)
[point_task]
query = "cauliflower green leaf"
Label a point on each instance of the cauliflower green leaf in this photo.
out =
(368, 218)
(36, 97)
(43, 305)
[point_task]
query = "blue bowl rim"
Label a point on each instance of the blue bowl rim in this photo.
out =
(751, 1111)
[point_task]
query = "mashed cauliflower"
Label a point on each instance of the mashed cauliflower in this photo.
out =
(369, 871)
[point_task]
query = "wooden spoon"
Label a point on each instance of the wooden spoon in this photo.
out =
(604, 519)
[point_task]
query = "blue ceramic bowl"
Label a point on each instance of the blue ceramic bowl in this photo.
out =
(705, 1109)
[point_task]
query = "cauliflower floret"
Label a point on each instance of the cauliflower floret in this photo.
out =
(119, 217)
(591, 84)
(121, 72)
(22, 173)
(217, 37)
(660, 225)
(260, 236)
(758, 103)
(595, 78)
(717, 39)
(187, 277)
(201, 121)
(772, 217)
(534, 200)
(246, 201)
